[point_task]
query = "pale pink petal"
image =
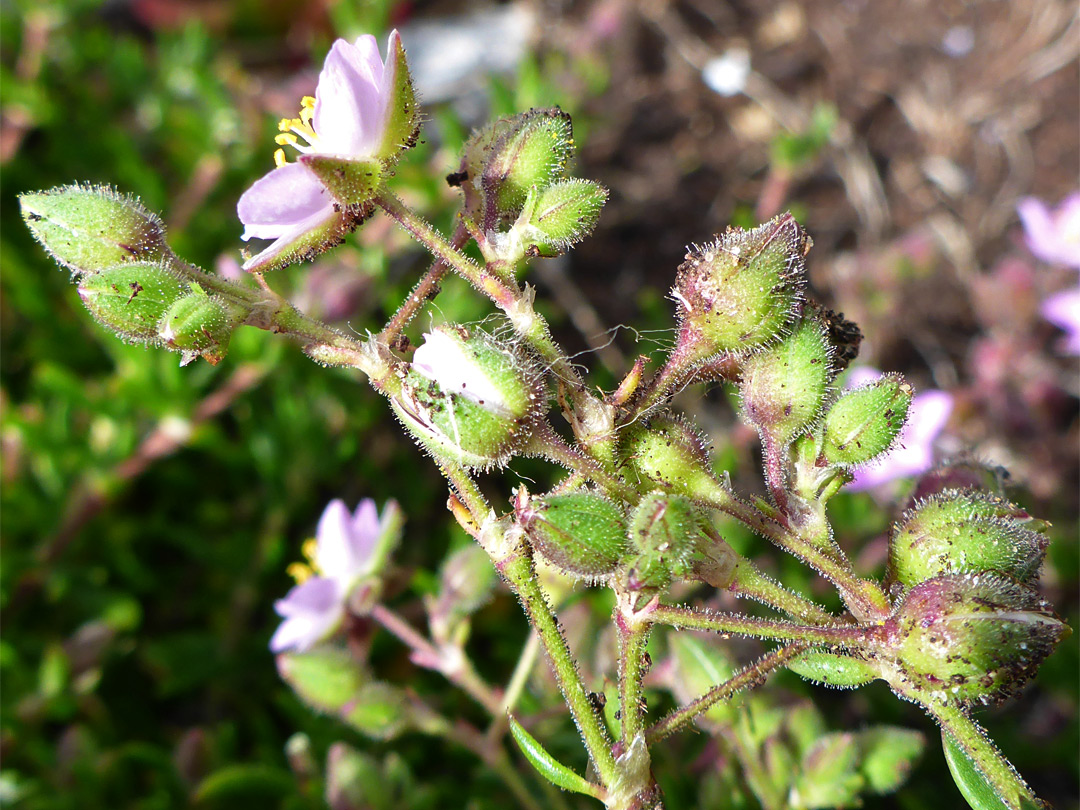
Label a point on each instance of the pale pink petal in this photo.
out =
(1038, 226)
(312, 611)
(1053, 236)
(333, 537)
(348, 106)
(1063, 310)
(929, 412)
(280, 201)
(365, 531)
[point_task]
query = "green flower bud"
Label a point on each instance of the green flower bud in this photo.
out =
(833, 669)
(469, 398)
(560, 215)
(197, 325)
(325, 678)
(580, 533)
(864, 422)
(783, 387)
(131, 299)
(671, 454)
(90, 228)
(961, 638)
(740, 292)
(379, 710)
(507, 158)
(352, 181)
(964, 532)
(665, 531)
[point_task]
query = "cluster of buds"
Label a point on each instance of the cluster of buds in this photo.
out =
(126, 275)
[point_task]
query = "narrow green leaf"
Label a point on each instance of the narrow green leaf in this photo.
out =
(245, 781)
(974, 786)
(549, 767)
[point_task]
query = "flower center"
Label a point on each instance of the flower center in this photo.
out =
(303, 571)
(293, 129)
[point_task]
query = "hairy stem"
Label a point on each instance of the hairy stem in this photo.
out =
(519, 573)
(843, 635)
(750, 676)
(750, 582)
(633, 636)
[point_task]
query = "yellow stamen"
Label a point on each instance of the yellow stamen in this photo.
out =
(279, 158)
(285, 139)
(309, 549)
(285, 124)
(300, 572)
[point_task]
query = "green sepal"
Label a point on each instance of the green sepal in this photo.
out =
(352, 182)
(197, 324)
(402, 126)
(547, 766)
(555, 218)
(131, 299)
(865, 422)
(90, 228)
(833, 669)
(378, 710)
(325, 678)
(580, 533)
(672, 454)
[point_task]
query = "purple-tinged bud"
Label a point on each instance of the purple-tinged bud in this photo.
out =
(670, 454)
(90, 228)
(958, 532)
(131, 299)
(739, 293)
(962, 638)
(783, 386)
(864, 422)
(580, 533)
(470, 398)
(197, 325)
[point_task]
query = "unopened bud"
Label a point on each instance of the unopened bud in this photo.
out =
(961, 638)
(469, 398)
(784, 385)
(833, 669)
(560, 215)
(665, 531)
(965, 532)
(90, 228)
(864, 422)
(197, 324)
(670, 454)
(325, 678)
(580, 533)
(131, 299)
(738, 293)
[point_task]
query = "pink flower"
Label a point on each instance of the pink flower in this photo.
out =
(1063, 310)
(914, 451)
(347, 548)
(363, 111)
(1053, 236)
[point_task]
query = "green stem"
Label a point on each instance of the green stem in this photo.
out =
(843, 635)
(750, 582)
(984, 755)
(546, 442)
(750, 676)
(519, 573)
(633, 638)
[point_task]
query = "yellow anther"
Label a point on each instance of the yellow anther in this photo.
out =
(308, 101)
(285, 138)
(299, 572)
(279, 158)
(306, 115)
(285, 124)
(309, 549)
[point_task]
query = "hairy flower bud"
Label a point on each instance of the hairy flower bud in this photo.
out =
(961, 638)
(740, 292)
(783, 387)
(560, 215)
(469, 398)
(964, 532)
(197, 324)
(90, 228)
(671, 454)
(581, 533)
(131, 299)
(833, 669)
(864, 422)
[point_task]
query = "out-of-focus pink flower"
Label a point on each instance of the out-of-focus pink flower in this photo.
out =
(914, 451)
(347, 548)
(348, 118)
(1053, 236)
(1063, 310)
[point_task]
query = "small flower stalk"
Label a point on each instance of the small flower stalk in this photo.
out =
(634, 503)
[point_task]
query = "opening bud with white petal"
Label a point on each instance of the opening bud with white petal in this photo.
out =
(131, 299)
(961, 638)
(470, 398)
(741, 291)
(90, 228)
(864, 422)
(783, 387)
(580, 533)
(965, 531)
